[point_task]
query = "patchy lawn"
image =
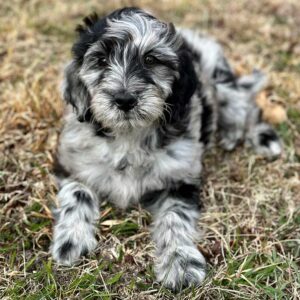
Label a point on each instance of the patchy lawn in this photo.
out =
(251, 215)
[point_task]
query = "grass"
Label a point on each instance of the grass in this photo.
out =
(251, 218)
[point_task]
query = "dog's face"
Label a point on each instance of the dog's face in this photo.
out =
(127, 64)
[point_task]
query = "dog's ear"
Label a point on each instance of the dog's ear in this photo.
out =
(75, 92)
(171, 29)
(88, 23)
(183, 87)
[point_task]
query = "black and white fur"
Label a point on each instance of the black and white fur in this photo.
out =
(183, 91)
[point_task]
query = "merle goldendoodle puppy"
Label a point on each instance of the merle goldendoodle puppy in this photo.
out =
(144, 100)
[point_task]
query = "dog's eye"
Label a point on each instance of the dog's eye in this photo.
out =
(150, 60)
(102, 61)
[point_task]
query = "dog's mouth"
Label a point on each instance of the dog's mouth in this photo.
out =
(128, 115)
(134, 114)
(144, 111)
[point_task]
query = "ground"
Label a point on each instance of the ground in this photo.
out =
(251, 217)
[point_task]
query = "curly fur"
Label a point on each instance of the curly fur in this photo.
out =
(150, 154)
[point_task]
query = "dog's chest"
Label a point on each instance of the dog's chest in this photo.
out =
(123, 169)
(128, 157)
(118, 169)
(132, 169)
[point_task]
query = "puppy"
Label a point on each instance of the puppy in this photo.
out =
(144, 101)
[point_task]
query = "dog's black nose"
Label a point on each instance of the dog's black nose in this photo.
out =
(125, 101)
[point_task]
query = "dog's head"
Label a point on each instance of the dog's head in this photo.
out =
(128, 70)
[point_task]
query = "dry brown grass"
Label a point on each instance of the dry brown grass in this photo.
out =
(251, 218)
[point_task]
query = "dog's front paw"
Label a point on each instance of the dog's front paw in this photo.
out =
(70, 243)
(180, 268)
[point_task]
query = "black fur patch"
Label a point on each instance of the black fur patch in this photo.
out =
(84, 252)
(196, 56)
(69, 210)
(181, 212)
(206, 120)
(171, 153)
(188, 193)
(83, 197)
(265, 138)
(183, 88)
(167, 133)
(179, 100)
(151, 197)
(195, 264)
(65, 248)
(224, 74)
(59, 170)
(75, 92)
(147, 143)
(101, 131)
(98, 127)
(123, 163)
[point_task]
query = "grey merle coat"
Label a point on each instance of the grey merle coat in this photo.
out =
(144, 101)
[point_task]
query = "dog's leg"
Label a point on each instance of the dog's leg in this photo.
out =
(239, 116)
(74, 231)
(179, 263)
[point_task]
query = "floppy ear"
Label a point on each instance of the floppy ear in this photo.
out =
(183, 87)
(75, 92)
(73, 89)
